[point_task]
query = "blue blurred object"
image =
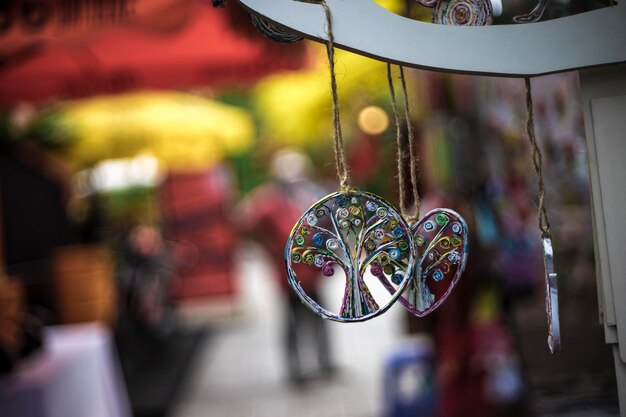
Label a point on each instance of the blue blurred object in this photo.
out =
(409, 386)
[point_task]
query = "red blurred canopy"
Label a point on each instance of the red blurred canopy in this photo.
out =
(215, 47)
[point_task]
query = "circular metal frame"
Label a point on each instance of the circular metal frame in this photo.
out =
(378, 231)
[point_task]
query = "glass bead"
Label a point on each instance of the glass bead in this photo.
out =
(438, 275)
(371, 206)
(383, 258)
(343, 213)
(429, 226)
(332, 244)
(328, 269)
(308, 258)
(354, 210)
(342, 201)
(397, 279)
(454, 257)
(376, 269)
(317, 240)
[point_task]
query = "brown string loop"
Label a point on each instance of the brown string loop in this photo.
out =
(402, 154)
(341, 165)
(412, 156)
(544, 224)
(399, 146)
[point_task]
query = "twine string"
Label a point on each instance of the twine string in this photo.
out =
(341, 165)
(412, 156)
(399, 145)
(402, 154)
(544, 224)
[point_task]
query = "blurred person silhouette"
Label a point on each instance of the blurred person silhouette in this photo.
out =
(144, 274)
(271, 211)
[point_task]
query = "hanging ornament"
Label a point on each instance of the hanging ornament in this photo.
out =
(463, 12)
(346, 234)
(441, 235)
(442, 247)
(271, 31)
(351, 231)
(535, 14)
(552, 293)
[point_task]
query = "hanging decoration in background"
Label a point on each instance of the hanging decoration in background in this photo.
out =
(535, 14)
(271, 31)
(28, 25)
(463, 12)
(477, 12)
(124, 126)
(552, 295)
(351, 230)
(441, 237)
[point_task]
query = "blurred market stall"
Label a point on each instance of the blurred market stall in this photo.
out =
(186, 44)
(152, 182)
(183, 131)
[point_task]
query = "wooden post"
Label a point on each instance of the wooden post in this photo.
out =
(604, 108)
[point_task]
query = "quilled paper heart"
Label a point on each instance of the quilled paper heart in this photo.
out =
(357, 237)
(442, 244)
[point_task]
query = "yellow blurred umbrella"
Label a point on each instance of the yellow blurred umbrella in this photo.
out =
(185, 132)
(295, 108)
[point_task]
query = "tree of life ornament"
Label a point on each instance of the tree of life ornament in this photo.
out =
(352, 233)
(441, 238)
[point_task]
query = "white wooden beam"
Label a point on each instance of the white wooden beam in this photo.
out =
(590, 39)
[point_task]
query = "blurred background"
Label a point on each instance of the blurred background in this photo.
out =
(154, 155)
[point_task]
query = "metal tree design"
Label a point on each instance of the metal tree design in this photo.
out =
(352, 231)
(442, 245)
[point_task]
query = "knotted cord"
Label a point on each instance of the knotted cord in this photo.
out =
(402, 154)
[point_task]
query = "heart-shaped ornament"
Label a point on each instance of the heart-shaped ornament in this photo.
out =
(442, 244)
